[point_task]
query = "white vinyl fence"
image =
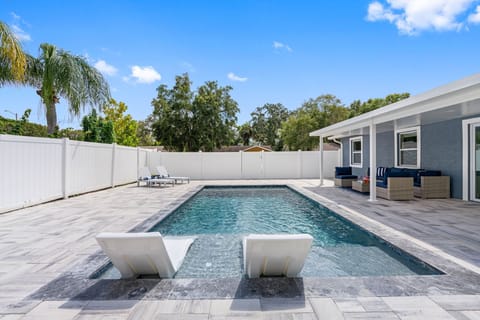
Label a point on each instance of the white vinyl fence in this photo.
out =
(246, 165)
(36, 170)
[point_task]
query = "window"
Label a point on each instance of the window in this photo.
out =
(407, 150)
(356, 152)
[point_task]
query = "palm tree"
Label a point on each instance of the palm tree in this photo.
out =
(58, 73)
(12, 57)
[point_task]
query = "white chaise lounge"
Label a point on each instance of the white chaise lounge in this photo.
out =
(275, 255)
(163, 173)
(144, 175)
(146, 253)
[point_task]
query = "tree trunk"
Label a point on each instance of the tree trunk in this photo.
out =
(51, 117)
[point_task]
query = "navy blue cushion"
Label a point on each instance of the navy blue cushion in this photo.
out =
(382, 183)
(417, 182)
(431, 173)
(346, 176)
(340, 171)
(380, 172)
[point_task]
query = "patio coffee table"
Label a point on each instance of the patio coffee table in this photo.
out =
(361, 186)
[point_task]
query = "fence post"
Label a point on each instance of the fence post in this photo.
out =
(114, 150)
(241, 164)
(262, 154)
(300, 167)
(201, 164)
(138, 166)
(65, 168)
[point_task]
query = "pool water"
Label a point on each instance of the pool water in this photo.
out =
(221, 216)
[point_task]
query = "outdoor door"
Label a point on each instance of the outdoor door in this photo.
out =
(475, 162)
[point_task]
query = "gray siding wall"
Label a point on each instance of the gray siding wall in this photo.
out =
(385, 149)
(365, 155)
(442, 150)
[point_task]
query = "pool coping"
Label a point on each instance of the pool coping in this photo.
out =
(459, 278)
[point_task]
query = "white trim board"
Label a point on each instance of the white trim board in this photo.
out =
(465, 156)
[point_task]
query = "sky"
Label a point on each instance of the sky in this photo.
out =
(268, 51)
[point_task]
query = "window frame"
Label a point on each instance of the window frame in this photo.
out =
(351, 141)
(398, 150)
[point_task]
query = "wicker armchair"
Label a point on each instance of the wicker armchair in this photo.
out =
(344, 177)
(432, 187)
(397, 188)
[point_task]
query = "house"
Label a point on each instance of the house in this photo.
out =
(435, 130)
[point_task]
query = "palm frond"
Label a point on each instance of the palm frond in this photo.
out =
(12, 56)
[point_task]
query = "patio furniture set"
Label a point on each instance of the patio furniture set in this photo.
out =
(398, 183)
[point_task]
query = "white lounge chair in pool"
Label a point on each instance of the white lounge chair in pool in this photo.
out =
(146, 253)
(144, 175)
(275, 254)
(163, 173)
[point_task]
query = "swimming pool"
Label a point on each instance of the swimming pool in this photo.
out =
(221, 216)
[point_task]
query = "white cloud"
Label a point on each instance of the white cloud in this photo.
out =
(281, 46)
(232, 76)
(188, 66)
(413, 16)
(19, 33)
(475, 17)
(105, 68)
(143, 75)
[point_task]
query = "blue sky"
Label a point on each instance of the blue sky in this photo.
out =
(268, 51)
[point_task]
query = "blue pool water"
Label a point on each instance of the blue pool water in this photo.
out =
(221, 216)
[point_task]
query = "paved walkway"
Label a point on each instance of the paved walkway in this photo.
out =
(39, 244)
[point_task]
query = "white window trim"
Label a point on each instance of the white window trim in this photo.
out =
(419, 147)
(356, 165)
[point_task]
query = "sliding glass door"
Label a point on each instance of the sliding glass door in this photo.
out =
(475, 162)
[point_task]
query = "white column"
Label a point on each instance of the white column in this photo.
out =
(65, 168)
(321, 160)
(373, 161)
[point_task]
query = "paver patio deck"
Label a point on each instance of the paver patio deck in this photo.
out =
(42, 243)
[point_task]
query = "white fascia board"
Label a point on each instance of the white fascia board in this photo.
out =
(456, 92)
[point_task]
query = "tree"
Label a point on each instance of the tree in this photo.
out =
(214, 117)
(58, 73)
(315, 113)
(12, 58)
(185, 121)
(245, 133)
(144, 132)
(96, 129)
(172, 113)
(124, 127)
(266, 122)
(357, 107)
(295, 132)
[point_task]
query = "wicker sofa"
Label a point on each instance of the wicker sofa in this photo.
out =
(344, 177)
(403, 184)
